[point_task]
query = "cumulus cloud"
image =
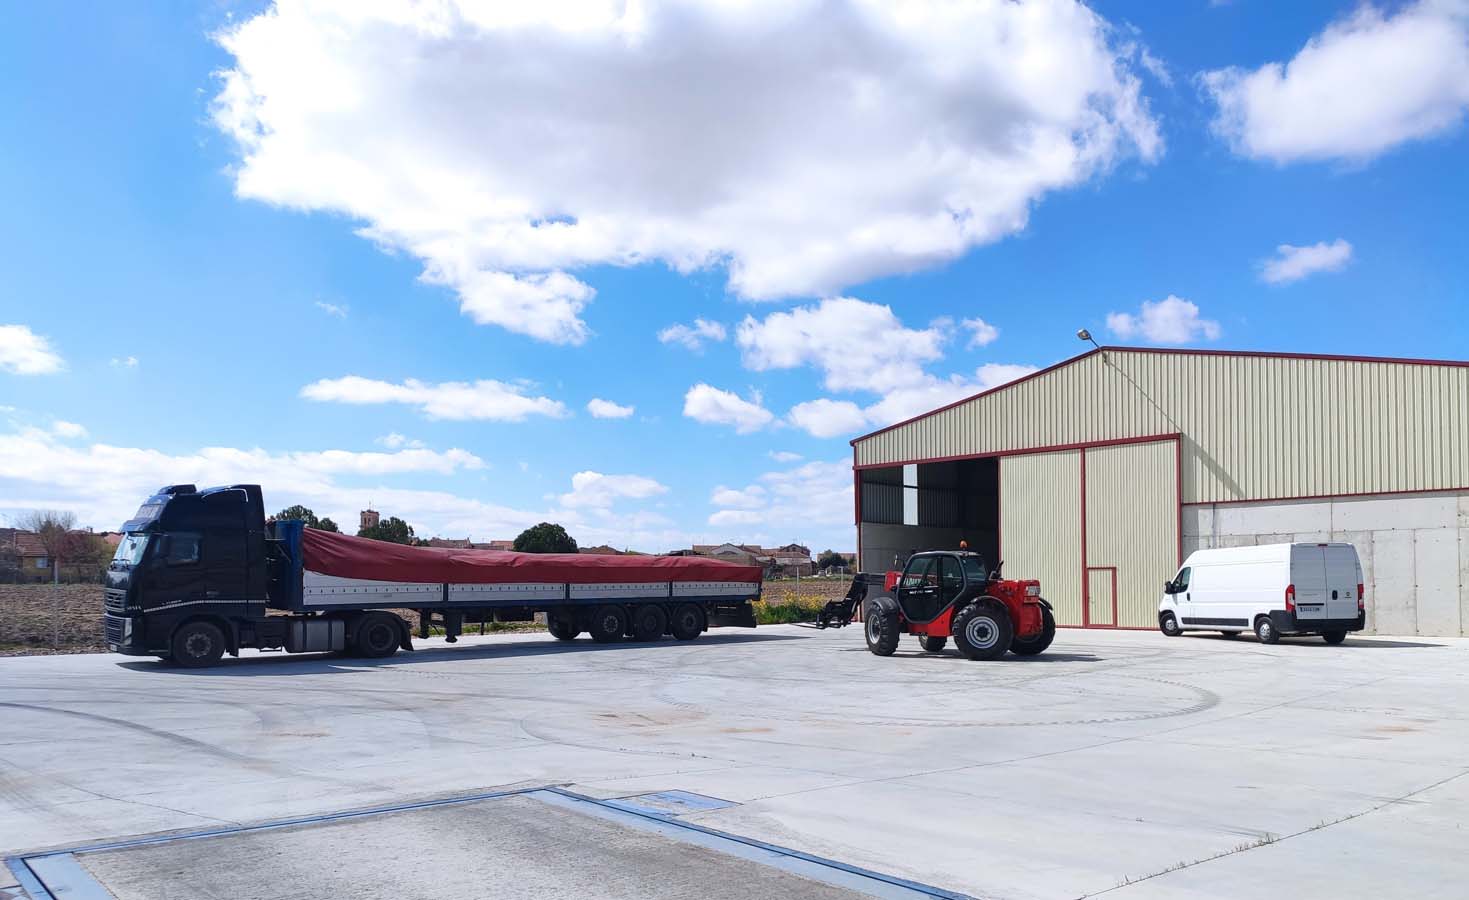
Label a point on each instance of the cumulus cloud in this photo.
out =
(23, 352)
(124, 362)
(826, 418)
(1293, 263)
(784, 456)
(712, 406)
(68, 429)
(751, 497)
(693, 336)
(458, 400)
(606, 409)
(981, 333)
(1171, 320)
(333, 309)
(802, 145)
(813, 500)
(393, 441)
(1369, 82)
(597, 490)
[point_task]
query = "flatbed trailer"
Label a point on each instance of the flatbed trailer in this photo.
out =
(201, 573)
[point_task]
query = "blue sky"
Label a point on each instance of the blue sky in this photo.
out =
(217, 213)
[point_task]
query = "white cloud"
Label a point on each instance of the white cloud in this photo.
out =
(459, 400)
(1370, 82)
(606, 409)
(597, 490)
(124, 362)
(784, 456)
(981, 333)
(826, 418)
(68, 429)
(23, 352)
(751, 497)
(1171, 320)
(693, 336)
(333, 309)
(802, 144)
(393, 440)
(806, 503)
(1293, 263)
(713, 406)
(736, 517)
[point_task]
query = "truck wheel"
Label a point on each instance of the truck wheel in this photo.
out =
(378, 635)
(197, 645)
(1036, 643)
(649, 621)
(687, 622)
(1265, 630)
(1168, 624)
(1333, 637)
(607, 624)
(982, 630)
(881, 626)
(933, 644)
(561, 629)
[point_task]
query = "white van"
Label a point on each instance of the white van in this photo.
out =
(1273, 589)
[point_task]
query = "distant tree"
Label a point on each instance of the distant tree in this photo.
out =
(304, 514)
(830, 559)
(53, 528)
(545, 538)
(391, 529)
(9, 563)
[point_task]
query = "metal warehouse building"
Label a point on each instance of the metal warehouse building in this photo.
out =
(1100, 474)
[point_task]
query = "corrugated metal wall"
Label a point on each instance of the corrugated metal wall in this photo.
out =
(1132, 525)
(1040, 526)
(1255, 427)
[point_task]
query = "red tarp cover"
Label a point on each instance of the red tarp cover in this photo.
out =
(353, 557)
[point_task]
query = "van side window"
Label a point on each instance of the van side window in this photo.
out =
(1180, 584)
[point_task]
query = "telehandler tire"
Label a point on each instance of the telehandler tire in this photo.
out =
(983, 630)
(1036, 643)
(881, 626)
(933, 644)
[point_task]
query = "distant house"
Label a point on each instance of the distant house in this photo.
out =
(495, 545)
(451, 543)
(32, 562)
(790, 560)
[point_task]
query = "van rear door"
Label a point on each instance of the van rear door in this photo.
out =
(1308, 575)
(1343, 577)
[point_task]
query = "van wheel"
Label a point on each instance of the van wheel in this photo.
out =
(1168, 624)
(1334, 637)
(1265, 630)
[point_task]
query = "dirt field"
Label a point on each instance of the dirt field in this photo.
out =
(44, 618)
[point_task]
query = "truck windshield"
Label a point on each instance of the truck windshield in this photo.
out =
(130, 549)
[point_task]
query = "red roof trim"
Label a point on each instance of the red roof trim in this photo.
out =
(1178, 351)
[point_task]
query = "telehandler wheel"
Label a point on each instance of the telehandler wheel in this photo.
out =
(607, 624)
(1036, 643)
(983, 630)
(881, 626)
(561, 629)
(378, 635)
(649, 621)
(687, 622)
(933, 644)
(197, 645)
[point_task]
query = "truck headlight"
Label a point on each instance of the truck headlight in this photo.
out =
(127, 630)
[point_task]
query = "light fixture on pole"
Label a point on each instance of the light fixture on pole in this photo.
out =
(1085, 335)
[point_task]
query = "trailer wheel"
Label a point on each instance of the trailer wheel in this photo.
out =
(378, 635)
(561, 629)
(1036, 643)
(607, 624)
(1333, 637)
(983, 630)
(649, 621)
(880, 625)
(687, 622)
(1265, 630)
(197, 645)
(932, 643)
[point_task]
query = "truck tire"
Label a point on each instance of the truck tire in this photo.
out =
(649, 622)
(1036, 643)
(378, 635)
(1333, 637)
(1168, 624)
(933, 643)
(197, 645)
(687, 622)
(607, 624)
(562, 629)
(880, 625)
(1265, 630)
(983, 630)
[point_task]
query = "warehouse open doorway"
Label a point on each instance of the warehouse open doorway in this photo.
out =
(927, 506)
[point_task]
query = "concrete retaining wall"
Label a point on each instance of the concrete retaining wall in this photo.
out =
(1414, 549)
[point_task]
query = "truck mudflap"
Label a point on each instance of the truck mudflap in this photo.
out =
(742, 616)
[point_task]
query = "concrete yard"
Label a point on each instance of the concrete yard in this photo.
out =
(1119, 763)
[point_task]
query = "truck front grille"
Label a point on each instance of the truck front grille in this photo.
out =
(114, 600)
(112, 630)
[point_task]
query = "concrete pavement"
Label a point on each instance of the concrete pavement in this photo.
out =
(1122, 763)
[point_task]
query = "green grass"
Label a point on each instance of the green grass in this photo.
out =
(786, 613)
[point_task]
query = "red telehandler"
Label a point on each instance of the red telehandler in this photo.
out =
(942, 594)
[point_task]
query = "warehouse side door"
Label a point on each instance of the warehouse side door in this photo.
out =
(1132, 529)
